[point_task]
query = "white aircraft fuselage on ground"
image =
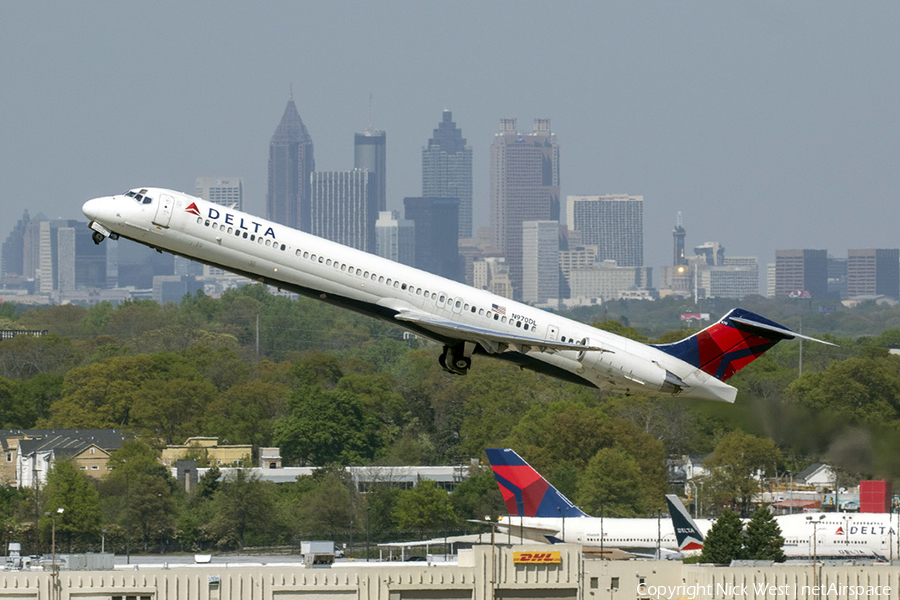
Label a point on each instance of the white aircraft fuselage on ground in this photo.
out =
(465, 320)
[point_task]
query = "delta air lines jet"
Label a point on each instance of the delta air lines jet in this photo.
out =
(465, 320)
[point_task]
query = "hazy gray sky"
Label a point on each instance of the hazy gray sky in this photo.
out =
(769, 124)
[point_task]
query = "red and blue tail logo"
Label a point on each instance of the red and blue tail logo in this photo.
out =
(726, 347)
(524, 491)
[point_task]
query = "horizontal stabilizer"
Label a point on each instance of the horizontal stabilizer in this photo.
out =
(786, 334)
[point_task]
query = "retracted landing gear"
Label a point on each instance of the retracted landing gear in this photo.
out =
(456, 359)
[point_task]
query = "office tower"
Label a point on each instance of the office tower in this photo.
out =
(799, 271)
(837, 278)
(395, 238)
(540, 261)
(436, 226)
(447, 169)
(613, 223)
(224, 191)
(524, 184)
(370, 153)
(65, 252)
(343, 208)
(713, 253)
(679, 234)
(12, 259)
(291, 163)
(873, 272)
(608, 281)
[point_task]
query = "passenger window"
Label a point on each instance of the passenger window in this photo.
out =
(321, 259)
(268, 242)
(503, 320)
(245, 235)
(252, 237)
(199, 220)
(381, 279)
(230, 229)
(526, 326)
(343, 267)
(442, 298)
(496, 317)
(328, 263)
(389, 281)
(298, 252)
(396, 284)
(359, 271)
(374, 276)
(260, 240)
(480, 311)
(366, 274)
(306, 255)
(418, 291)
(403, 286)
(518, 323)
(207, 223)
(313, 258)
(458, 304)
(283, 247)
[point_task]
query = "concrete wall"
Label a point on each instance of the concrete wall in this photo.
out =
(484, 573)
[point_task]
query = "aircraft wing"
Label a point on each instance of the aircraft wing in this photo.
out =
(491, 340)
(544, 535)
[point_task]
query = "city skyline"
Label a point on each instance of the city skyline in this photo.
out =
(754, 121)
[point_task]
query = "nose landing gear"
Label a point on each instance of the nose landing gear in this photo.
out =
(455, 359)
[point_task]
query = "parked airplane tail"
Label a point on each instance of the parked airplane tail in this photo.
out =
(732, 343)
(525, 492)
(687, 534)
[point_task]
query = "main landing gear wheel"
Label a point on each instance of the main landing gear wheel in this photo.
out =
(453, 360)
(98, 237)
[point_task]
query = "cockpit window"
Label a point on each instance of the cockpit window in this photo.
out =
(139, 196)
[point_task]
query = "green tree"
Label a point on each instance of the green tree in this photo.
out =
(612, 480)
(139, 494)
(242, 506)
(763, 540)
(737, 464)
(326, 426)
(424, 507)
(724, 542)
(68, 489)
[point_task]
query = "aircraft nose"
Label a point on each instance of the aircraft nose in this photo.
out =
(93, 209)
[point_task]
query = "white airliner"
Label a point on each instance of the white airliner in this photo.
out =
(540, 512)
(465, 320)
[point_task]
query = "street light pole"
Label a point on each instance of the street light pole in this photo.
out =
(54, 575)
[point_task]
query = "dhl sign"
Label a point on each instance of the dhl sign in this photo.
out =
(532, 558)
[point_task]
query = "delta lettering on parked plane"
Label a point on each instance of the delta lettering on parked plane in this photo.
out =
(465, 320)
(542, 513)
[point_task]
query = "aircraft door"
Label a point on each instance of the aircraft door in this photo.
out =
(552, 333)
(456, 305)
(164, 210)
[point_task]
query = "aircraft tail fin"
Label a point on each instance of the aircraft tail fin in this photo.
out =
(525, 492)
(687, 534)
(732, 343)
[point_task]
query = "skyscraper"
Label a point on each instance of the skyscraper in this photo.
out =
(447, 169)
(13, 255)
(801, 271)
(873, 272)
(540, 261)
(370, 153)
(291, 163)
(524, 186)
(613, 223)
(224, 191)
(343, 208)
(678, 233)
(437, 245)
(395, 238)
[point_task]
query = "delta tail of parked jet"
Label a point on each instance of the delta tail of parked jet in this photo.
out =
(465, 320)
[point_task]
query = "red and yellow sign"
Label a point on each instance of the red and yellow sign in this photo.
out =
(533, 558)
